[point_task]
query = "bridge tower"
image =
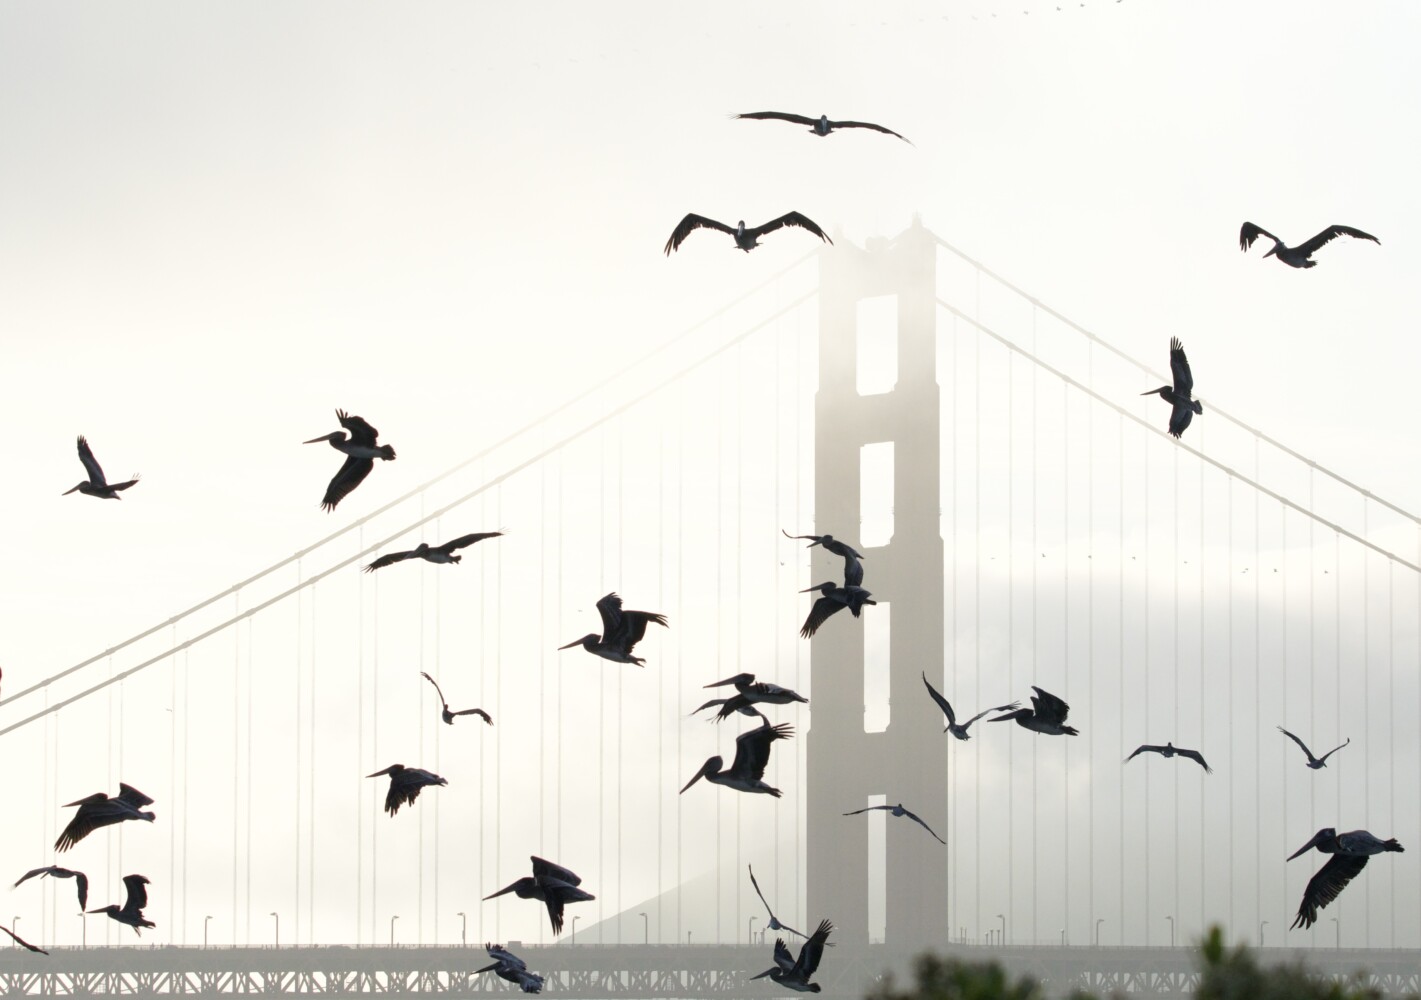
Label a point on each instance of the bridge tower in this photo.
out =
(907, 761)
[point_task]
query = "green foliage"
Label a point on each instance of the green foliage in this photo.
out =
(1225, 975)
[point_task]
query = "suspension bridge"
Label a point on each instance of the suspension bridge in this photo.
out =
(1025, 520)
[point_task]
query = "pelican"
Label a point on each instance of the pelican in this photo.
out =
(1349, 856)
(1300, 255)
(752, 753)
(449, 716)
(795, 974)
(774, 923)
(746, 239)
(1048, 717)
(1178, 395)
(621, 630)
(821, 126)
(99, 810)
(830, 544)
(1169, 750)
(22, 942)
(554, 885)
(96, 485)
(1313, 762)
(81, 881)
(131, 912)
(405, 783)
(512, 968)
(435, 554)
(833, 599)
(360, 452)
(898, 810)
(952, 727)
(762, 692)
(729, 706)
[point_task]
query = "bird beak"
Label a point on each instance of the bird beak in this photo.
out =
(1270, 253)
(323, 437)
(1305, 848)
(501, 892)
(575, 642)
(377, 773)
(68, 491)
(486, 968)
(817, 587)
(728, 680)
(764, 974)
(692, 781)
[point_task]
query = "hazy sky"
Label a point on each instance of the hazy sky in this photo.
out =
(220, 223)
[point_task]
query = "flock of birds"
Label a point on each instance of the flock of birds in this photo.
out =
(556, 886)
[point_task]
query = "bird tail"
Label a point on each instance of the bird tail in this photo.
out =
(387, 453)
(1068, 730)
(1392, 845)
(1197, 406)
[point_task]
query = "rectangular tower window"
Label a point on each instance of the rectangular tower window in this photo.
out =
(877, 328)
(876, 493)
(876, 630)
(877, 870)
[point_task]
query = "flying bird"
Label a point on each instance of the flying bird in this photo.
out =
(1300, 255)
(435, 554)
(360, 452)
(821, 126)
(96, 485)
(131, 913)
(746, 239)
(774, 923)
(405, 783)
(554, 885)
(898, 810)
(751, 693)
(1178, 395)
(1046, 716)
(952, 727)
(1314, 762)
(449, 716)
(1349, 856)
(22, 942)
(1169, 750)
(81, 881)
(98, 810)
(752, 754)
(795, 974)
(512, 968)
(621, 631)
(829, 542)
(833, 599)
(738, 703)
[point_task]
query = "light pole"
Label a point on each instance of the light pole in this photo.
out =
(1262, 924)
(1003, 919)
(463, 928)
(277, 936)
(1338, 928)
(204, 929)
(574, 930)
(645, 929)
(1063, 937)
(392, 930)
(1098, 922)
(13, 922)
(1171, 930)
(750, 930)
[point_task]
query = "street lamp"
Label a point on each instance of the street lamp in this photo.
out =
(1063, 937)
(645, 929)
(1262, 924)
(204, 929)
(463, 928)
(392, 930)
(750, 930)
(13, 922)
(1098, 922)
(1171, 930)
(1338, 928)
(1003, 919)
(574, 930)
(277, 937)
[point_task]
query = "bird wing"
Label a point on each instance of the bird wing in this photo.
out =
(1298, 742)
(1250, 232)
(1179, 365)
(554, 904)
(1048, 706)
(131, 795)
(752, 882)
(819, 614)
(813, 538)
(1324, 887)
(546, 869)
(497, 951)
(781, 116)
(791, 219)
(137, 897)
(876, 128)
(1329, 753)
(866, 809)
(999, 708)
(388, 559)
(610, 608)
(633, 627)
(1331, 233)
(690, 224)
(91, 464)
(22, 942)
(360, 431)
(476, 711)
(918, 819)
(436, 686)
(853, 571)
(782, 956)
(1143, 748)
(942, 703)
(752, 749)
(32, 873)
(1196, 755)
(352, 473)
(813, 950)
(735, 703)
(1179, 418)
(464, 540)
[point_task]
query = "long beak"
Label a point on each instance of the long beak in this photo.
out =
(500, 893)
(1305, 848)
(486, 968)
(379, 773)
(68, 491)
(821, 586)
(1150, 393)
(764, 974)
(323, 437)
(575, 642)
(1270, 253)
(688, 784)
(728, 680)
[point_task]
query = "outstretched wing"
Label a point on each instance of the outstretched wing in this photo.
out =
(918, 819)
(1331, 233)
(813, 949)
(866, 809)
(1196, 755)
(780, 116)
(21, 941)
(476, 711)
(942, 703)
(1143, 748)
(132, 796)
(464, 540)
(1179, 365)
(1048, 706)
(1250, 232)
(792, 219)
(752, 749)
(1323, 758)
(853, 571)
(352, 473)
(1300, 743)
(999, 708)
(137, 897)
(436, 687)
(782, 956)
(819, 614)
(91, 464)
(876, 128)
(386, 560)
(360, 431)
(690, 224)
(548, 870)
(1324, 887)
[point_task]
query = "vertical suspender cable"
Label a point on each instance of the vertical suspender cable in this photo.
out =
(296, 772)
(311, 787)
(977, 591)
(419, 720)
(236, 748)
(1257, 738)
(1366, 693)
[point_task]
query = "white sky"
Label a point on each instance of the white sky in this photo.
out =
(218, 223)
